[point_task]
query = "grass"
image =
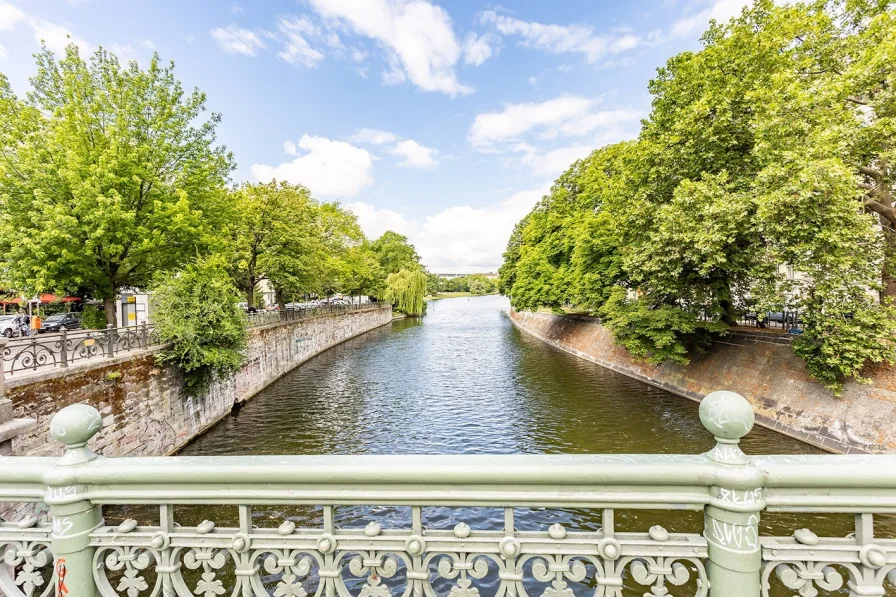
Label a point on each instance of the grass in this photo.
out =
(444, 295)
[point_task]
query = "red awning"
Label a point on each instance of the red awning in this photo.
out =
(44, 299)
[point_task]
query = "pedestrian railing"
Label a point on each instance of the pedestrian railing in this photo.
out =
(69, 347)
(271, 317)
(75, 553)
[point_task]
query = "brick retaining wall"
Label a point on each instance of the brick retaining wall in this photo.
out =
(767, 373)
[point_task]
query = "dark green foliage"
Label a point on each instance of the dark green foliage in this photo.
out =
(761, 181)
(196, 314)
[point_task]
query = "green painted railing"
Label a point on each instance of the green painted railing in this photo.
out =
(730, 558)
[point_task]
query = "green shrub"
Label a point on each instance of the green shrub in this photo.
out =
(92, 318)
(196, 313)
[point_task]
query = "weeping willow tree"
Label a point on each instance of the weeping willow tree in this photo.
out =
(405, 290)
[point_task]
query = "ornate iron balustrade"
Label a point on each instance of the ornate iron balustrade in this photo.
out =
(271, 317)
(728, 557)
(61, 349)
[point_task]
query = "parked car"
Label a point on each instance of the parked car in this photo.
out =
(9, 327)
(59, 322)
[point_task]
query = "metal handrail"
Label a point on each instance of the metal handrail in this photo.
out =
(262, 318)
(728, 557)
(67, 347)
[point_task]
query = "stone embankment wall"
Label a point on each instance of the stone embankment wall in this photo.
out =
(761, 368)
(146, 413)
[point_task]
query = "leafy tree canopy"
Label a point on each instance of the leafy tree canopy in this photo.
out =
(108, 174)
(766, 152)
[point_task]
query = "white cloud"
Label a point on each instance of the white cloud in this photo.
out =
(373, 137)
(375, 221)
(328, 168)
(417, 36)
(235, 40)
(56, 37)
(460, 239)
(3, 52)
(296, 49)
(477, 49)
(720, 10)
(555, 161)
(289, 147)
(564, 116)
(147, 43)
(415, 155)
(464, 239)
(10, 16)
(562, 39)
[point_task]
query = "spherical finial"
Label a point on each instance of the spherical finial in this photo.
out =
(74, 425)
(727, 415)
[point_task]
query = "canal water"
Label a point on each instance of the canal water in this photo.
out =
(464, 380)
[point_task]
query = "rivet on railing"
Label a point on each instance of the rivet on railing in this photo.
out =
(287, 528)
(27, 523)
(609, 548)
(415, 545)
(160, 541)
(509, 547)
(658, 533)
(127, 526)
(205, 527)
(326, 544)
(556, 531)
(805, 537)
(461, 530)
(372, 529)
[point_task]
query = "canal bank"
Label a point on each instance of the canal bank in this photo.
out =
(144, 407)
(768, 374)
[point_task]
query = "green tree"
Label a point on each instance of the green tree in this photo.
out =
(767, 151)
(395, 253)
(405, 290)
(276, 236)
(196, 315)
(108, 174)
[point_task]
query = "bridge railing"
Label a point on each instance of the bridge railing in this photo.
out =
(167, 552)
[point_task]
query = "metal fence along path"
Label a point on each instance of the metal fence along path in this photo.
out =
(75, 553)
(26, 355)
(66, 348)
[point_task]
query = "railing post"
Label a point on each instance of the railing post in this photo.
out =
(110, 340)
(731, 520)
(74, 516)
(63, 349)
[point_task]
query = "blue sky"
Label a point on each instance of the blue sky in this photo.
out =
(443, 120)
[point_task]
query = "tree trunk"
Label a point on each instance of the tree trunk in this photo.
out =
(250, 293)
(109, 308)
(281, 299)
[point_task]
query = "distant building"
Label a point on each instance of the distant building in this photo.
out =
(489, 275)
